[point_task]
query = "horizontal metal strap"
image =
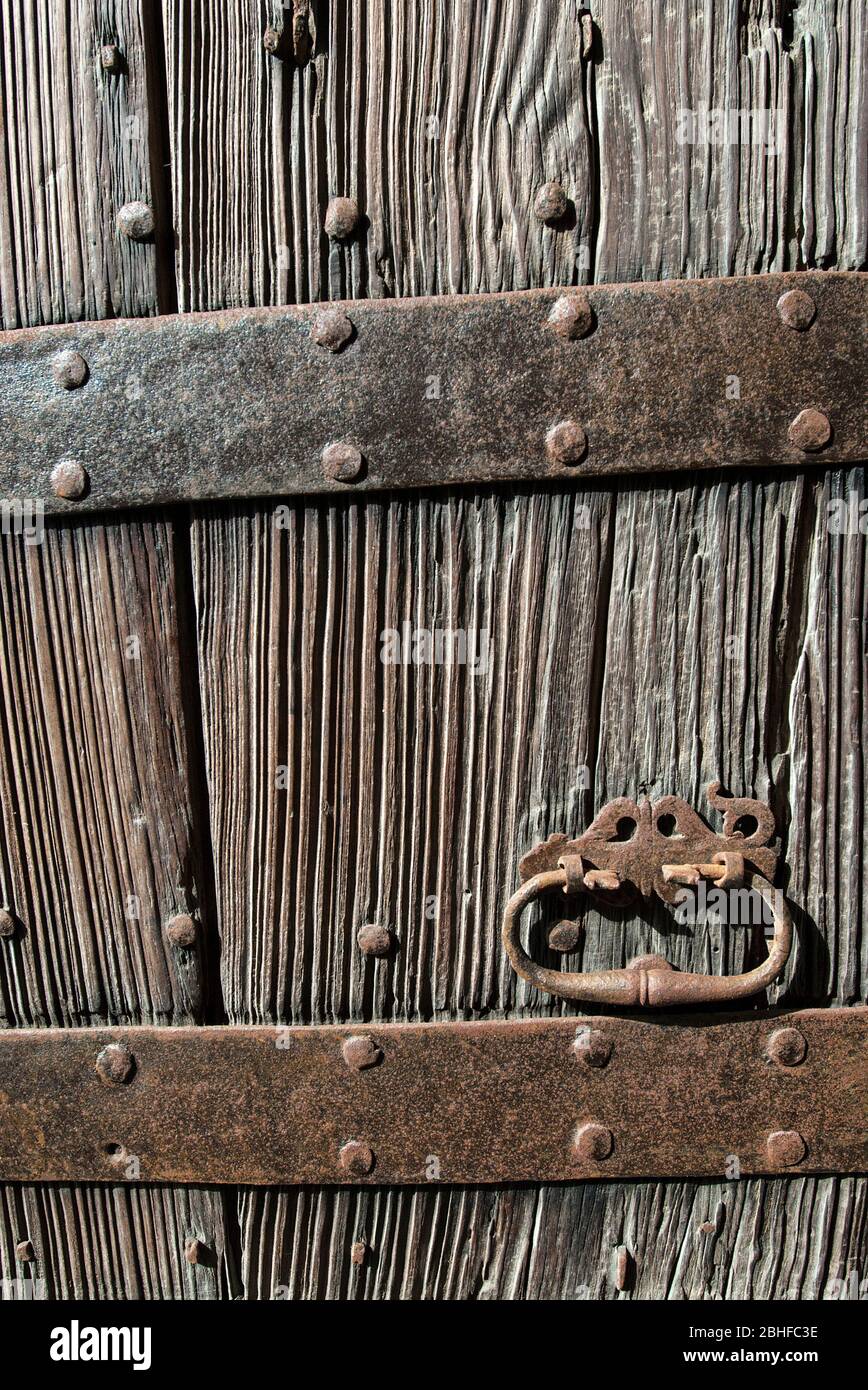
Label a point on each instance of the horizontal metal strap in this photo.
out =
(541, 385)
(532, 1101)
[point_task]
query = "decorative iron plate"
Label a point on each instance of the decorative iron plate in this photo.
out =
(429, 392)
(533, 1101)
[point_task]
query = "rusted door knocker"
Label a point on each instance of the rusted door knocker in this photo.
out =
(632, 850)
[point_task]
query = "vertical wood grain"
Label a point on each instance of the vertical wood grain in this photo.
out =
(440, 119)
(102, 835)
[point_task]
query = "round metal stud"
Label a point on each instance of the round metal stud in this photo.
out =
(797, 310)
(566, 443)
(69, 481)
(810, 430)
(136, 221)
(115, 1064)
(356, 1157)
(591, 1143)
(787, 1046)
(69, 369)
(342, 462)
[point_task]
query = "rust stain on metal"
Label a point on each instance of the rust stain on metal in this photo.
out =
(25, 1252)
(495, 1101)
(7, 923)
(633, 850)
(241, 403)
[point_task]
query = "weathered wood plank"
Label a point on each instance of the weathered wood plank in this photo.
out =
(790, 1239)
(396, 793)
(440, 119)
(97, 802)
(679, 196)
(124, 1242)
(78, 143)
(101, 831)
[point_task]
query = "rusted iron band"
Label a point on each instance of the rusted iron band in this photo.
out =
(544, 385)
(532, 1101)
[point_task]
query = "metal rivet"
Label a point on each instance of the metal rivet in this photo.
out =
(69, 480)
(810, 430)
(111, 58)
(196, 1252)
(342, 462)
(7, 923)
(342, 218)
(25, 1252)
(358, 1252)
(115, 1065)
(572, 316)
(566, 442)
(786, 1148)
(550, 203)
(271, 40)
(360, 1051)
(592, 1143)
(787, 1046)
(182, 930)
(136, 221)
(375, 940)
(331, 329)
(564, 936)
(592, 1046)
(69, 369)
(623, 1268)
(356, 1157)
(797, 309)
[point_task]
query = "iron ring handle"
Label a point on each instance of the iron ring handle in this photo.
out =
(648, 981)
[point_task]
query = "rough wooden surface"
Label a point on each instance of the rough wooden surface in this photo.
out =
(687, 633)
(709, 630)
(101, 825)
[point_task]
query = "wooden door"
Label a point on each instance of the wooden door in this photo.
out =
(194, 716)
